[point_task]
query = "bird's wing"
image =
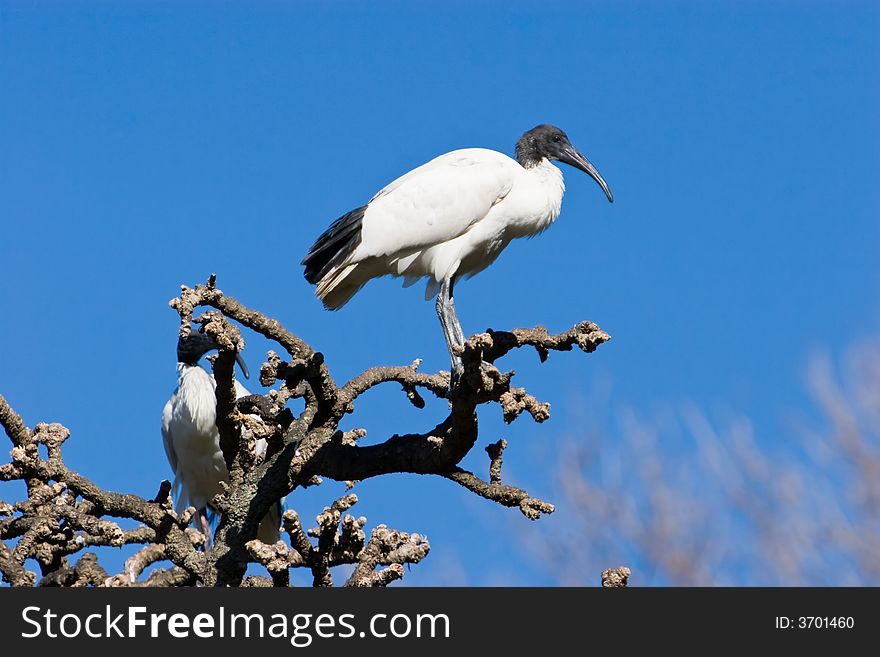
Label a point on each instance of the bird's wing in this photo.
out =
(261, 444)
(166, 433)
(240, 390)
(435, 202)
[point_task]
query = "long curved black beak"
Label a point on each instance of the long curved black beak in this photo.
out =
(242, 365)
(574, 158)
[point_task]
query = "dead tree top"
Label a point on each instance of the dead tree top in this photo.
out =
(65, 513)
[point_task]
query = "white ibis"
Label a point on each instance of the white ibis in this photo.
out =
(447, 219)
(192, 441)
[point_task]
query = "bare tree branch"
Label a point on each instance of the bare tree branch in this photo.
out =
(616, 578)
(511, 496)
(65, 512)
(387, 548)
(12, 424)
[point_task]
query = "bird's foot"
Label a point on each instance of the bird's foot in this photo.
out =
(206, 530)
(487, 371)
(455, 375)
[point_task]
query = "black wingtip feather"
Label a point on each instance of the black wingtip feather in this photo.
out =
(334, 245)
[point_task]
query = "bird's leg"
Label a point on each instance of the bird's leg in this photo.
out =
(449, 324)
(457, 333)
(455, 327)
(205, 527)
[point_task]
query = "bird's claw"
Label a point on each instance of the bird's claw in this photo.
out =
(487, 370)
(455, 375)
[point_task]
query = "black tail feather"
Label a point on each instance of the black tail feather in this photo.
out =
(334, 245)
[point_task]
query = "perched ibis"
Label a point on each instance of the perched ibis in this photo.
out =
(447, 219)
(192, 441)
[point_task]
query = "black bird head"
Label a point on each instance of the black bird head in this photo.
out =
(196, 345)
(551, 143)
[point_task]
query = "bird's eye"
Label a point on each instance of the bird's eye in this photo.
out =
(557, 138)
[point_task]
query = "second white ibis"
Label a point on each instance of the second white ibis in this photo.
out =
(192, 441)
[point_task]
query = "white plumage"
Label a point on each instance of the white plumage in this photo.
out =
(415, 228)
(447, 219)
(192, 445)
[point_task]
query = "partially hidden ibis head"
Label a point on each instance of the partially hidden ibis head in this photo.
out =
(447, 219)
(192, 441)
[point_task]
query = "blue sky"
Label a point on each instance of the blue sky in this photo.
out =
(148, 144)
